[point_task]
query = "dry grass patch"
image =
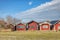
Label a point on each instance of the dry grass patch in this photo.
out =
(30, 35)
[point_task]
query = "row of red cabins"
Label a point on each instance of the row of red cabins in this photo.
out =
(33, 25)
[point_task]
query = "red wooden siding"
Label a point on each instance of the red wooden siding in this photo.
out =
(57, 27)
(32, 25)
(20, 27)
(47, 27)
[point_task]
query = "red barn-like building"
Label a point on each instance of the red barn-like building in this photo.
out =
(57, 26)
(32, 25)
(20, 27)
(44, 25)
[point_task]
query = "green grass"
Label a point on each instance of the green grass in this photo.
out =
(30, 35)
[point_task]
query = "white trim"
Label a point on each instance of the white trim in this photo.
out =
(40, 27)
(54, 28)
(45, 23)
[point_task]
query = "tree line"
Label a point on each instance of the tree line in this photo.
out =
(4, 23)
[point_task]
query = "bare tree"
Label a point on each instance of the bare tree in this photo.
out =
(11, 20)
(2, 23)
(16, 21)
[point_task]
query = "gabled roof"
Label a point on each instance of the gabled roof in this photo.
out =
(20, 23)
(53, 22)
(31, 22)
(45, 22)
(57, 22)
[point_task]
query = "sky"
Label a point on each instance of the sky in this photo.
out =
(27, 10)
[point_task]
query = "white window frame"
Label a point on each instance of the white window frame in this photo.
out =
(59, 27)
(45, 26)
(20, 26)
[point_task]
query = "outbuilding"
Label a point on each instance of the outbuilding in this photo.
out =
(20, 27)
(45, 25)
(32, 25)
(57, 26)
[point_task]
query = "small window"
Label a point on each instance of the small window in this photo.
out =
(32, 26)
(45, 26)
(20, 26)
(58, 27)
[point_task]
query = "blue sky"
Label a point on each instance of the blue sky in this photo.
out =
(22, 9)
(11, 7)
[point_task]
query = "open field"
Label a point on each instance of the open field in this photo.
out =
(30, 35)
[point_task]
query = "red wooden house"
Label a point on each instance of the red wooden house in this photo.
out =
(45, 25)
(20, 26)
(32, 25)
(57, 26)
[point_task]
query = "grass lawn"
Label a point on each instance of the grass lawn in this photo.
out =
(30, 35)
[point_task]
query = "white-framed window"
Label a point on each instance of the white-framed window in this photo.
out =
(32, 26)
(20, 26)
(45, 26)
(58, 27)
